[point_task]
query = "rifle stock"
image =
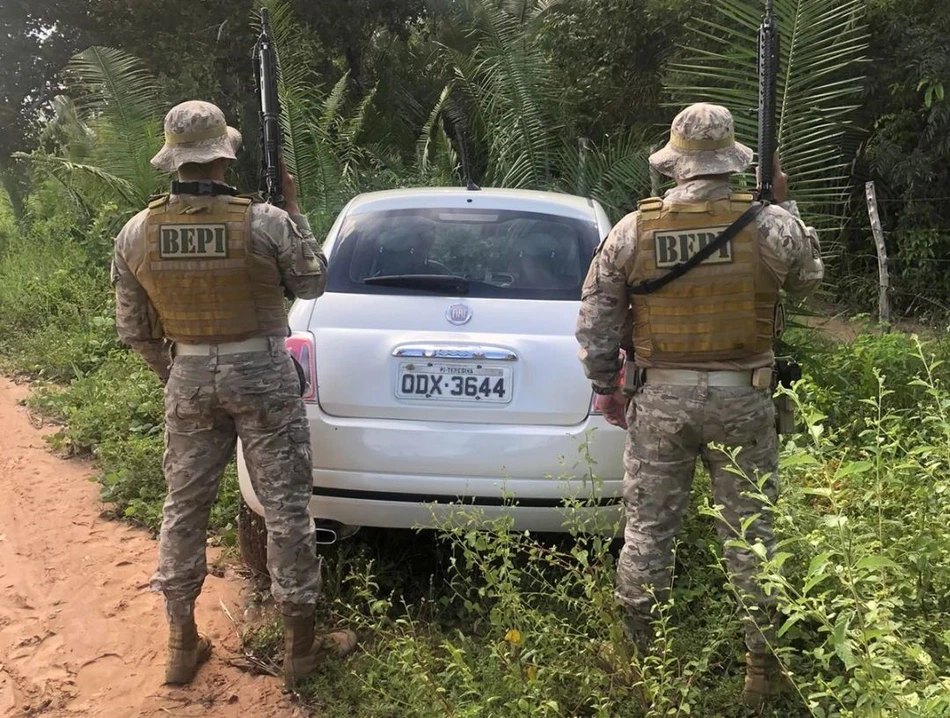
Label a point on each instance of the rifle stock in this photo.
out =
(265, 73)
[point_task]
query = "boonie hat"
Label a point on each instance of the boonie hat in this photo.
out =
(702, 142)
(195, 131)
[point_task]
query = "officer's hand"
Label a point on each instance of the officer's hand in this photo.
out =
(613, 407)
(779, 181)
(290, 190)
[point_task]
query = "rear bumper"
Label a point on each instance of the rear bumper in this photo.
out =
(413, 474)
(547, 505)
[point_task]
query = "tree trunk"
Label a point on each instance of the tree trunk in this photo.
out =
(252, 540)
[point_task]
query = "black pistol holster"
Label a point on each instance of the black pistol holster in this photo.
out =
(633, 377)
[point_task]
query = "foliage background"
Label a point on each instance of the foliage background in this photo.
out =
(389, 93)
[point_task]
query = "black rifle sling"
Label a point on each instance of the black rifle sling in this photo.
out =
(652, 285)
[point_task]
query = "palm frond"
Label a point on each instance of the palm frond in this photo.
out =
(67, 130)
(297, 117)
(510, 86)
(67, 171)
(121, 103)
(351, 127)
(432, 140)
(332, 104)
(616, 174)
(819, 87)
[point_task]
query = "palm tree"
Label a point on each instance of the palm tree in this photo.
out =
(320, 133)
(819, 86)
(111, 130)
(506, 120)
(615, 173)
(509, 88)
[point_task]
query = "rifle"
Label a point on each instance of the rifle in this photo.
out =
(265, 74)
(767, 61)
(786, 370)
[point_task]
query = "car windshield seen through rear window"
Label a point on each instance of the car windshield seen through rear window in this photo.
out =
(475, 252)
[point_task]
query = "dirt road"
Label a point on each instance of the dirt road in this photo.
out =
(80, 632)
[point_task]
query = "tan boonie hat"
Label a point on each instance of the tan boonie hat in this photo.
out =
(195, 131)
(702, 142)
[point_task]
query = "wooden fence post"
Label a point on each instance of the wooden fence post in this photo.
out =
(583, 150)
(884, 307)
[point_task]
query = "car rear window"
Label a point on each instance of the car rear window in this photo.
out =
(500, 253)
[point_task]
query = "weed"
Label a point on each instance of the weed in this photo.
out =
(478, 622)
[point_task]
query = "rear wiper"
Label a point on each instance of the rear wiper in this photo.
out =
(429, 282)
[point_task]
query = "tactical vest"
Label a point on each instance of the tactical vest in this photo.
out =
(721, 310)
(201, 275)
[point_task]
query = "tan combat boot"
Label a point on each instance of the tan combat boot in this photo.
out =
(304, 651)
(187, 650)
(764, 678)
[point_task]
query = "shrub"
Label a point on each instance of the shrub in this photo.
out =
(57, 323)
(56, 306)
(863, 574)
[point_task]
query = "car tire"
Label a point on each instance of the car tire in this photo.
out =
(252, 542)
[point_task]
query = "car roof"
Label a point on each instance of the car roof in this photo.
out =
(558, 203)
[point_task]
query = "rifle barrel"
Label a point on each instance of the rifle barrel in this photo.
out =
(767, 66)
(265, 71)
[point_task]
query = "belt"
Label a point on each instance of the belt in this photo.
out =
(690, 377)
(254, 344)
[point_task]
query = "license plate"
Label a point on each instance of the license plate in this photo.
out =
(445, 381)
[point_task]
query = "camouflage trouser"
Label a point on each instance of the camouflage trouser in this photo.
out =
(209, 402)
(669, 427)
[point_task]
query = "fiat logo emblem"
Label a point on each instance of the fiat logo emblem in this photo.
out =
(458, 314)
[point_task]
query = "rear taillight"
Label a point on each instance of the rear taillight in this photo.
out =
(623, 368)
(300, 346)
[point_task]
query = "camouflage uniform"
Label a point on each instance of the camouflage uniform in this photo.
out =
(670, 425)
(213, 399)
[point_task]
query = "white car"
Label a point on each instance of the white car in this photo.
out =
(442, 364)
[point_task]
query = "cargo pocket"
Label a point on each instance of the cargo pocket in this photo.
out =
(186, 411)
(631, 480)
(752, 420)
(298, 437)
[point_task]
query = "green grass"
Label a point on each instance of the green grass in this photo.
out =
(863, 577)
(57, 326)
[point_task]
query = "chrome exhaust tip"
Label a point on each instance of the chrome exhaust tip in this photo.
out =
(327, 531)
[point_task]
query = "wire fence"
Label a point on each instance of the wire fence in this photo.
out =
(896, 260)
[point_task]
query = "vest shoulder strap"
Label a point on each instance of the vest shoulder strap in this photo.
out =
(240, 200)
(741, 200)
(650, 207)
(157, 201)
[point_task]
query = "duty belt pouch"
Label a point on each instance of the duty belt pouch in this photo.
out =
(632, 378)
(786, 373)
